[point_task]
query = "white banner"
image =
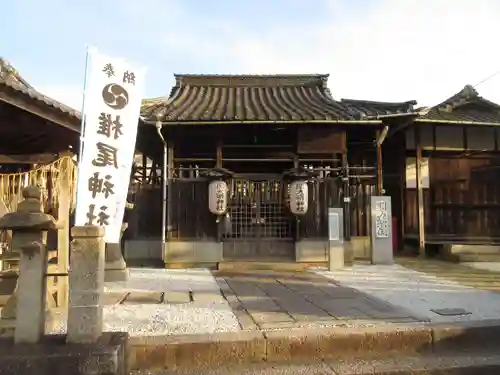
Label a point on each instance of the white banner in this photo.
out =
(112, 106)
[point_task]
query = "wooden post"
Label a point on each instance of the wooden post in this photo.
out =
(64, 200)
(218, 162)
(420, 194)
(170, 170)
(380, 177)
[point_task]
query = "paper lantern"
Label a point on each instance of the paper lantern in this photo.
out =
(299, 197)
(217, 197)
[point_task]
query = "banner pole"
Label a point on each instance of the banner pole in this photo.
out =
(82, 124)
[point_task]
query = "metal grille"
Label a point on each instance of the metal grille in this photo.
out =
(258, 210)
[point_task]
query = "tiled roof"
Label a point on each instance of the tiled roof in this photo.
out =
(373, 109)
(205, 98)
(10, 79)
(464, 107)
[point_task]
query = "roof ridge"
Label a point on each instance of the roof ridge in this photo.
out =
(377, 102)
(246, 80)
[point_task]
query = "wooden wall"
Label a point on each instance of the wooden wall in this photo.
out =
(461, 174)
(463, 198)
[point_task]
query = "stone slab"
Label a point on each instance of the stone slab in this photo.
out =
(174, 297)
(52, 356)
(197, 351)
(113, 298)
(135, 298)
(337, 343)
(466, 334)
(115, 275)
(288, 345)
(266, 317)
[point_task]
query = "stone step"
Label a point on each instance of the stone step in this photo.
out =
(478, 257)
(189, 352)
(289, 266)
(476, 363)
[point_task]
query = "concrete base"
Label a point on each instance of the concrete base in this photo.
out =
(336, 257)
(115, 275)
(116, 268)
(312, 344)
(471, 253)
(52, 356)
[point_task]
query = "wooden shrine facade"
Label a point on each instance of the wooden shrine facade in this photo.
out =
(449, 173)
(257, 129)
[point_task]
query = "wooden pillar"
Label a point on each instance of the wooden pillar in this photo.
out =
(218, 162)
(402, 210)
(380, 177)
(420, 193)
(170, 171)
(346, 187)
(63, 234)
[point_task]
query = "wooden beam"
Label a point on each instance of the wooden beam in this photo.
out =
(28, 159)
(420, 194)
(26, 103)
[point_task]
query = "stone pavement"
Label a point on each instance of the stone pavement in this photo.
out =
(484, 275)
(277, 300)
(438, 291)
(156, 302)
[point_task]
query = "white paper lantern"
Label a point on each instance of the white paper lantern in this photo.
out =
(299, 197)
(217, 197)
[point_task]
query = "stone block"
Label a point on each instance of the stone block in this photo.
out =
(197, 351)
(31, 291)
(137, 298)
(51, 356)
(466, 334)
(173, 297)
(85, 324)
(113, 298)
(85, 298)
(311, 251)
(82, 280)
(339, 343)
(87, 231)
(112, 274)
(336, 257)
(115, 268)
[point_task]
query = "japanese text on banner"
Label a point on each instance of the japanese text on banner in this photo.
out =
(112, 108)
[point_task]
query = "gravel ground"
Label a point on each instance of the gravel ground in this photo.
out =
(163, 319)
(418, 292)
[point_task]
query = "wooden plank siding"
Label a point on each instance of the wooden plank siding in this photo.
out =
(463, 199)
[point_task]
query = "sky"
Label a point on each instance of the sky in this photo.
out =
(383, 50)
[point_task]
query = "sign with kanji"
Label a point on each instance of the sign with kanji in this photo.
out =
(112, 105)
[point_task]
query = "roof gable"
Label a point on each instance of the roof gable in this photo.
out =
(466, 106)
(17, 91)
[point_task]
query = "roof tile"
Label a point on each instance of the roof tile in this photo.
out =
(465, 106)
(248, 98)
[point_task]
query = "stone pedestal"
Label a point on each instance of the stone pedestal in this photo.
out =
(381, 238)
(335, 239)
(9, 294)
(52, 356)
(86, 285)
(28, 225)
(116, 268)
